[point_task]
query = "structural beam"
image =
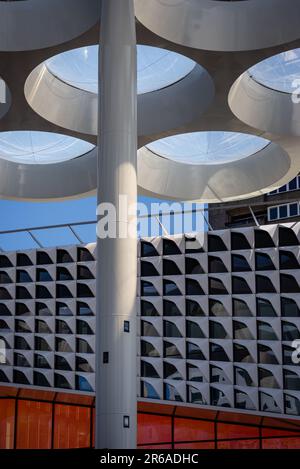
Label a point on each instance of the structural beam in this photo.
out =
(116, 371)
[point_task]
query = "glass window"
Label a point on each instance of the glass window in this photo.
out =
(63, 275)
(83, 309)
(217, 331)
(5, 262)
(287, 352)
(61, 345)
(83, 291)
(170, 268)
(170, 247)
(263, 262)
(43, 258)
(148, 309)
(239, 263)
(240, 286)
(193, 287)
(265, 308)
(82, 384)
(194, 374)
(20, 360)
(41, 309)
(22, 293)
(21, 326)
(83, 365)
(42, 327)
(61, 363)
(216, 287)
(266, 355)
(4, 311)
(23, 260)
(241, 331)
(294, 210)
(217, 353)
(147, 329)
(217, 375)
(4, 327)
(63, 292)
(21, 343)
(290, 331)
(61, 382)
(148, 370)
(287, 237)
(5, 278)
(195, 396)
(84, 273)
(265, 331)
(42, 292)
(218, 398)
(171, 393)
(171, 351)
(22, 310)
(63, 257)
(287, 260)
(171, 330)
(242, 377)
(148, 250)
(171, 372)
(216, 265)
(62, 327)
(63, 310)
(241, 354)
(267, 379)
(289, 308)
(148, 289)
(273, 213)
(263, 239)
(43, 275)
(170, 288)
(288, 284)
(239, 241)
(40, 380)
(83, 327)
(215, 243)
(41, 344)
(41, 362)
(292, 407)
(264, 284)
(283, 211)
(148, 270)
(240, 308)
(20, 377)
(193, 330)
(243, 401)
(291, 380)
(84, 255)
(268, 403)
(148, 350)
(216, 308)
(170, 308)
(193, 308)
(193, 352)
(148, 391)
(192, 266)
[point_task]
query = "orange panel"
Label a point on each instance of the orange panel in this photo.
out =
(36, 394)
(154, 429)
(227, 431)
(195, 445)
(7, 423)
(34, 425)
(278, 432)
(193, 430)
(70, 398)
(7, 391)
(155, 447)
(154, 408)
(71, 427)
(281, 443)
(239, 444)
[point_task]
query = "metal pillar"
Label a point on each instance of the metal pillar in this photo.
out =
(116, 370)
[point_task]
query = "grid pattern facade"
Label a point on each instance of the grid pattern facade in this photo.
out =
(218, 314)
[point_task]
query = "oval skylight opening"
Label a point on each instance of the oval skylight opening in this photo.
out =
(157, 68)
(208, 148)
(32, 147)
(280, 72)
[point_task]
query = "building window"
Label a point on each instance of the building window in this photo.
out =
(216, 265)
(218, 398)
(170, 248)
(84, 255)
(170, 288)
(5, 278)
(40, 380)
(266, 355)
(83, 309)
(288, 284)
(63, 292)
(170, 268)
(195, 396)
(22, 326)
(265, 308)
(243, 401)
(4, 311)
(22, 293)
(287, 237)
(171, 330)
(280, 212)
(148, 391)
(289, 308)
(148, 309)
(60, 363)
(148, 269)
(63, 310)
(240, 308)
(171, 393)
(216, 308)
(147, 329)
(287, 355)
(83, 327)
(148, 370)
(61, 382)
(41, 344)
(20, 377)
(193, 352)
(194, 331)
(192, 266)
(43, 258)
(291, 380)
(43, 275)
(194, 374)
(264, 284)
(288, 260)
(170, 308)
(82, 346)
(267, 379)
(217, 331)
(290, 331)
(63, 275)
(216, 287)
(42, 292)
(265, 331)
(22, 310)
(41, 309)
(239, 263)
(84, 273)
(23, 260)
(263, 239)
(171, 372)
(41, 327)
(63, 257)
(148, 350)
(241, 354)
(21, 343)
(193, 287)
(293, 185)
(240, 286)
(242, 377)
(217, 375)
(83, 365)
(61, 345)
(193, 308)
(41, 362)
(215, 243)
(268, 403)
(217, 353)
(82, 384)
(5, 295)
(20, 360)
(171, 351)
(148, 289)
(5, 262)
(62, 327)
(292, 405)
(239, 242)
(263, 262)
(148, 250)
(241, 331)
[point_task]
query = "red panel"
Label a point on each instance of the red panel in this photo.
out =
(34, 425)
(281, 443)
(153, 408)
(7, 423)
(7, 391)
(155, 447)
(227, 431)
(154, 429)
(195, 445)
(278, 432)
(238, 444)
(37, 395)
(193, 430)
(72, 427)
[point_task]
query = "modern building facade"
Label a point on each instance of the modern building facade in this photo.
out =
(217, 316)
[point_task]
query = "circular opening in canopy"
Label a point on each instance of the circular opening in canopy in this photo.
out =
(208, 148)
(280, 72)
(157, 68)
(32, 147)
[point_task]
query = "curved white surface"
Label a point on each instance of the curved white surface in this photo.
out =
(236, 179)
(157, 68)
(207, 148)
(36, 24)
(222, 25)
(29, 147)
(167, 108)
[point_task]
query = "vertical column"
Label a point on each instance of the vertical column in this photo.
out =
(116, 371)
